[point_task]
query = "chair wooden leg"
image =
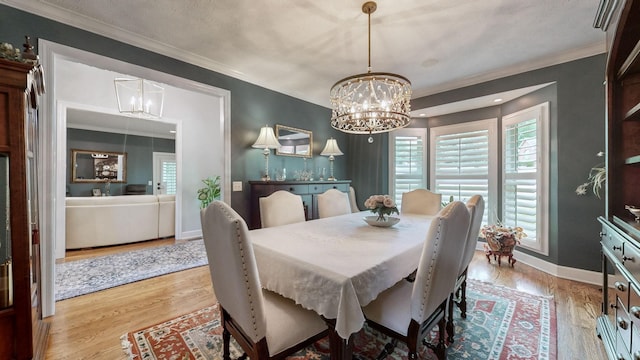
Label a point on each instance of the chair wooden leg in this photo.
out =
(439, 349)
(450, 326)
(463, 299)
(226, 339)
(388, 349)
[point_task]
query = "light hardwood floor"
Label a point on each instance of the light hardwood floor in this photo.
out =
(90, 326)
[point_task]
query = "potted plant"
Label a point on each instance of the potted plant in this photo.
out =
(210, 192)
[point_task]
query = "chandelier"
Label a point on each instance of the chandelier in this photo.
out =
(373, 102)
(139, 97)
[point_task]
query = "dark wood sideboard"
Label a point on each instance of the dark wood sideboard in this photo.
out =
(619, 324)
(308, 190)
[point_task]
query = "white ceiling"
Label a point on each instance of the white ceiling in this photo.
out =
(302, 47)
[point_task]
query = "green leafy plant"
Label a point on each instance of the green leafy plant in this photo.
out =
(211, 192)
(445, 203)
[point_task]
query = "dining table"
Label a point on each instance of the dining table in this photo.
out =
(336, 265)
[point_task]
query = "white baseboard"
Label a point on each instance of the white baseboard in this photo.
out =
(564, 272)
(190, 235)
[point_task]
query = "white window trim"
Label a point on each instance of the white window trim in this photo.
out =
(418, 132)
(488, 124)
(540, 112)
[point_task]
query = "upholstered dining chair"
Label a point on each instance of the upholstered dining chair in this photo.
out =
(281, 208)
(264, 324)
(333, 202)
(408, 311)
(475, 206)
(421, 201)
(353, 202)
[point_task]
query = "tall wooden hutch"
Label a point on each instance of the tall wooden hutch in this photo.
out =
(23, 331)
(619, 324)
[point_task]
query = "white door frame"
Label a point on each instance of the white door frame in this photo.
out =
(53, 149)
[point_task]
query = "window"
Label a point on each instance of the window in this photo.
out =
(169, 170)
(464, 159)
(525, 174)
(408, 161)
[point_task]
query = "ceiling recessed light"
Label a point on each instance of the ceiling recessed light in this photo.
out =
(497, 100)
(172, 131)
(423, 115)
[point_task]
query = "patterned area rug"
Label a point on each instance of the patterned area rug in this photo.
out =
(81, 277)
(501, 324)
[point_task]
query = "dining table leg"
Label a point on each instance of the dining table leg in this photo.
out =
(340, 349)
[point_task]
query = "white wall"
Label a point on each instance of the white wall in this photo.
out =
(201, 114)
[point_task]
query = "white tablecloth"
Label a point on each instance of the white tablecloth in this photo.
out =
(336, 265)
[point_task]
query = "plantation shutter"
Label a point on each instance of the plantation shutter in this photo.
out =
(462, 165)
(409, 161)
(520, 190)
(168, 176)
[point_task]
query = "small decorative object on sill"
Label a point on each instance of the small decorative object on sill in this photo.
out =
(383, 206)
(501, 240)
(8, 52)
(597, 178)
(209, 193)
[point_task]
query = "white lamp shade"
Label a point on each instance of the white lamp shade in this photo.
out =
(267, 139)
(139, 96)
(331, 148)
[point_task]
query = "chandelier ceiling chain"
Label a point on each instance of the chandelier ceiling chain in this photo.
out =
(373, 102)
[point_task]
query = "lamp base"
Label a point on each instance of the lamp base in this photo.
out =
(266, 178)
(331, 178)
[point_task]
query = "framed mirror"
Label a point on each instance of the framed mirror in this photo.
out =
(90, 166)
(295, 142)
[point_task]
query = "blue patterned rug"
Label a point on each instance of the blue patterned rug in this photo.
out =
(81, 277)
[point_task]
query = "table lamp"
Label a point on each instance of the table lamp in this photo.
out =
(266, 140)
(331, 150)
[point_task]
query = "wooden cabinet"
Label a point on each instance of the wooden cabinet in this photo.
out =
(23, 331)
(619, 324)
(308, 190)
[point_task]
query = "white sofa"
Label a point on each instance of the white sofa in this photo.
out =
(111, 220)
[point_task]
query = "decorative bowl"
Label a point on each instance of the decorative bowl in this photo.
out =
(373, 221)
(634, 210)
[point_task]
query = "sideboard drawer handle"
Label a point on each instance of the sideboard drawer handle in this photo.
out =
(601, 234)
(617, 248)
(290, 189)
(621, 286)
(623, 324)
(624, 258)
(635, 310)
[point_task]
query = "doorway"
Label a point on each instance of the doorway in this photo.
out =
(207, 118)
(164, 173)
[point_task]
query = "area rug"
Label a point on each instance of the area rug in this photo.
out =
(85, 276)
(501, 324)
